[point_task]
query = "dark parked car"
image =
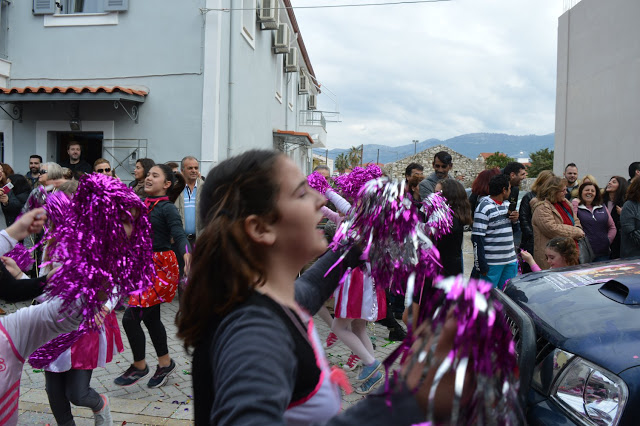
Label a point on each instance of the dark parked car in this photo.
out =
(577, 331)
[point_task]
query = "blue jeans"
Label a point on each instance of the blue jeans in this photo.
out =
(498, 274)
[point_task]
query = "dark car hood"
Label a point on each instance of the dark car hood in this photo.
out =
(570, 312)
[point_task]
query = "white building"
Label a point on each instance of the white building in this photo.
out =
(159, 79)
(598, 88)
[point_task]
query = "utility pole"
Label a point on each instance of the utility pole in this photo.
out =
(415, 146)
(378, 157)
(361, 155)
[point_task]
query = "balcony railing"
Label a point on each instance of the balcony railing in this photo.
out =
(312, 118)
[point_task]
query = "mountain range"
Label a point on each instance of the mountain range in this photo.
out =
(469, 145)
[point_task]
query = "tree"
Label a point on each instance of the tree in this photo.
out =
(354, 157)
(497, 159)
(540, 160)
(341, 162)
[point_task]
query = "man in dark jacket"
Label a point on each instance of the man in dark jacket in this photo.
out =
(442, 165)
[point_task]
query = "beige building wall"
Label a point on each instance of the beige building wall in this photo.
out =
(598, 88)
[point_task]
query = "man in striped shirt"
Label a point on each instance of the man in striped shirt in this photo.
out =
(492, 236)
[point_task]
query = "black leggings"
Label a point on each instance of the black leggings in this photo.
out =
(70, 386)
(132, 327)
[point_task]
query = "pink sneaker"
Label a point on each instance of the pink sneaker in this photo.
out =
(331, 340)
(352, 363)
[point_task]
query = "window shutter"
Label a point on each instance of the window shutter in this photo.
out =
(116, 5)
(44, 7)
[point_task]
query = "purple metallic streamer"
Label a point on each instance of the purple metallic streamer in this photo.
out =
(23, 257)
(46, 354)
(37, 198)
(350, 184)
(483, 347)
(318, 182)
(88, 240)
(438, 214)
(388, 226)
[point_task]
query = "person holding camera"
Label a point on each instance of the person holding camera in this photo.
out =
(492, 235)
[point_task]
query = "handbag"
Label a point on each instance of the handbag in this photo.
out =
(586, 252)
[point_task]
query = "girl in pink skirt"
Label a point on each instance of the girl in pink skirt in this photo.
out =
(357, 301)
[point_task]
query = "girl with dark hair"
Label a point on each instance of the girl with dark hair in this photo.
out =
(143, 166)
(257, 357)
(165, 224)
(450, 245)
(613, 199)
(16, 198)
(596, 221)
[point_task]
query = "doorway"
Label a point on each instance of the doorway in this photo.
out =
(90, 142)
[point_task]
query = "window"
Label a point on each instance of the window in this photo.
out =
(78, 7)
(279, 77)
(81, 6)
(249, 21)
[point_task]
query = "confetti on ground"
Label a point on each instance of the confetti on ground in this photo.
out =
(187, 372)
(37, 370)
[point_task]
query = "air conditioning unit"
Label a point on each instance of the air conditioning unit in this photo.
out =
(268, 14)
(312, 103)
(291, 60)
(281, 44)
(303, 85)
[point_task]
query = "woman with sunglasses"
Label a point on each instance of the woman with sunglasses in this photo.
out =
(102, 166)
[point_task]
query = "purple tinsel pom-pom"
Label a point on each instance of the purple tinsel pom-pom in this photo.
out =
(88, 240)
(22, 257)
(482, 358)
(351, 184)
(439, 216)
(318, 182)
(384, 214)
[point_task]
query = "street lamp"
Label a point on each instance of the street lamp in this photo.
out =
(415, 146)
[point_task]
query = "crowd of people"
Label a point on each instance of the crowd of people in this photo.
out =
(247, 319)
(603, 223)
(169, 193)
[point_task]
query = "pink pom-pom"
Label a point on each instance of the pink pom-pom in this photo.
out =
(481, 337)
(439, 216)
(88, 240)
(22, 257)
(387, 225)
(351, 184)
(318, 182)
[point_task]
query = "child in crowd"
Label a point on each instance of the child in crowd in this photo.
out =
(559, 252)
(23, 331)
(166, 224)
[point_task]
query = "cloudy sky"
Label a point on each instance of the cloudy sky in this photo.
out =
(434, 70)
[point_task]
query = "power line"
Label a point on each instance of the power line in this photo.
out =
(332, 6)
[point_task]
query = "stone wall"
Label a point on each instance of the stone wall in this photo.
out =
(464, 168)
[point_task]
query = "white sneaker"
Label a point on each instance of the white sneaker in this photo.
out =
(103, 417)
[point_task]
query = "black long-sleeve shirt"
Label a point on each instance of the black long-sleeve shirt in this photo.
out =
(166, 224)
(14, 290)
(245, 371)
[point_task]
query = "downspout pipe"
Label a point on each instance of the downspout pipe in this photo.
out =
(233, 18)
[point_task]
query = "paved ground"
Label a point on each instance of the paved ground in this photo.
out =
(171, 404)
